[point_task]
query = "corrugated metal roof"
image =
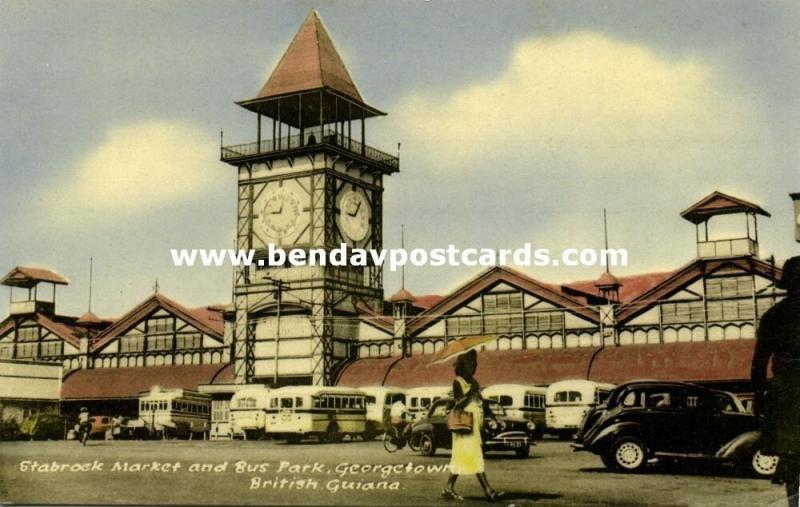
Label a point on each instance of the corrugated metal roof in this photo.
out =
(712, 361)
(114, 383)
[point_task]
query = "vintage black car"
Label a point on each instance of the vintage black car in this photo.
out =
(672, 421)
(507, 434)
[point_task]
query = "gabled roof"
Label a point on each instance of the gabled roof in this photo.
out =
(203, 319)
(60, 329)
(630, 286)
(310, 62)
(687, 275)
(28, 276)
(492, 277)
(717, 203)
(377, 320)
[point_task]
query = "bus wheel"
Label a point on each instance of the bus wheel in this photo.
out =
(293, 439)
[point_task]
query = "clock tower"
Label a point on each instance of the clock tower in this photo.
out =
(308, 181)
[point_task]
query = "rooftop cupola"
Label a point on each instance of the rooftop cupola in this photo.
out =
(741, 240)
(313, 102)
(29, 292)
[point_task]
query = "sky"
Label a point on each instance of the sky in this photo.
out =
(519, 122)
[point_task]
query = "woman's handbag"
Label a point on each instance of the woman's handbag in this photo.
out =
(459, 421)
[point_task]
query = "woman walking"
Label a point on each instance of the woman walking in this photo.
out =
(467, 454)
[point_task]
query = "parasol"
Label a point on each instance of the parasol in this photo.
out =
(457, 347)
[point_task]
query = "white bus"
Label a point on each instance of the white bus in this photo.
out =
(248, 412)
(169, 413)
(568, 401)
(521, 401)
(419, 399)
(328, 413)
(379, 403)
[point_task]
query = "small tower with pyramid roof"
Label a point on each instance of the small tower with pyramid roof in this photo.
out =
(308, 180)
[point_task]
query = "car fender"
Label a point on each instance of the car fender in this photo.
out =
(422, 427)
(613, 431)
(740, 446)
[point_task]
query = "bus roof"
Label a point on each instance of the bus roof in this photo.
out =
(510, 388)
(314, 390)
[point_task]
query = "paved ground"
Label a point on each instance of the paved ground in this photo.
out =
(554, 475)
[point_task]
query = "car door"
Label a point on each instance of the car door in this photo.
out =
(438, 418)
(703, 421)
(670, 427)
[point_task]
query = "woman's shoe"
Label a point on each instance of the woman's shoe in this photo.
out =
(493, 496)
(450, 494)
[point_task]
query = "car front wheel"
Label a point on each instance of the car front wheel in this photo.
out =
(763, 465)
(628, 454)
(426, 445)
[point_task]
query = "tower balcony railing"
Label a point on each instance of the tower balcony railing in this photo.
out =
(727, 248)
(311, 137)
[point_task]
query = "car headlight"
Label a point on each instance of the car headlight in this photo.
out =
(492, 424)
(531, 425)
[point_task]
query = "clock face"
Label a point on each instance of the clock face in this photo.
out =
(280, 212)
(354, 215)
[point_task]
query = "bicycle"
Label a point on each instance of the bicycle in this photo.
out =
(394, 439)
(83, 433)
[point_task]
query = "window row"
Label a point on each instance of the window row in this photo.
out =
(504, 323)
(183, 341)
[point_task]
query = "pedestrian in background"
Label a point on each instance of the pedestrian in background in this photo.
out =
(778, 401)
(467, 453)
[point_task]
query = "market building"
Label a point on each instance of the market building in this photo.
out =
(310, 181)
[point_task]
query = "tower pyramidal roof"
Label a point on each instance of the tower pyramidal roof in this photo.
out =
(310, 62)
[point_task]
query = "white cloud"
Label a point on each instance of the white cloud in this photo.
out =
(591, 103)
(137, 168)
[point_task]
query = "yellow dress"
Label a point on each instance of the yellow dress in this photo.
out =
(467, 455)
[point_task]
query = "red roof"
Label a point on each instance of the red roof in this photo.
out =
(717, 203)
(688, 274)
(707, 361)
(27, 276)
(494, 367)
(208, 319)
(310, 62)
(113, 383)
(426, 301)
(630, 286)
(60, 329)
(402, 296)
(711, 361)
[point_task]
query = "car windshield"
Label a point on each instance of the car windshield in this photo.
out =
(496, 408)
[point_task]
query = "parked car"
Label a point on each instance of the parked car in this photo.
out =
(44, 427)
(642, 420)
(508, 434)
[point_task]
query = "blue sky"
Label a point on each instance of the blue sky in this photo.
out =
(520, 121)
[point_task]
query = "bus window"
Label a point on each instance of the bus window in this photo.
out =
(568, 397)
(425, 402)
(298, 402)
(286, 403)
(506, 401)
(413, 402)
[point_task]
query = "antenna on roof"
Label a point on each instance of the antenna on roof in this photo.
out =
(91, 263)
(402, 247)
(156, 287)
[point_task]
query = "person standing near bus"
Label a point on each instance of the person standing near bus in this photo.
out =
(467, 454)
(778, 401)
